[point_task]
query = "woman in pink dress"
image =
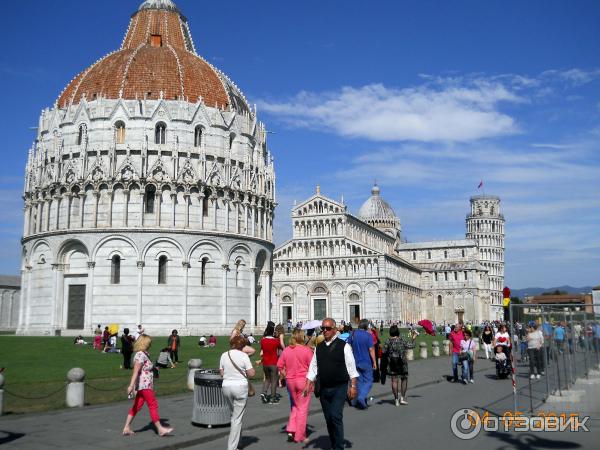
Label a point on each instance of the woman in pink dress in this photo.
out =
(293, 365)
(142, 386)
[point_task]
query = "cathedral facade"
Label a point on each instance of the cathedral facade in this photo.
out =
(349, 267)
(149, 194)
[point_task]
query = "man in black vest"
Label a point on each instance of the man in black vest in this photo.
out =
(333, 362)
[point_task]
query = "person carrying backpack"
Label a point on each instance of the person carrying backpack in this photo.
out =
(394, 363)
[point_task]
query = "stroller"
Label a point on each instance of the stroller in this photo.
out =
(502, 363)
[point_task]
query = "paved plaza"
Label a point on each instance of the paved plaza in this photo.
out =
(425, 422)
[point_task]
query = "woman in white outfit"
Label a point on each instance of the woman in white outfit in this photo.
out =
(236, 368)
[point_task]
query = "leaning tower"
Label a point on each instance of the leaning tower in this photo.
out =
(485, 224)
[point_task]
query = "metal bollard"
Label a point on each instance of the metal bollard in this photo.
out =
(193, 366)
(1, 394)
(410, 356)
(435, 348)
(423, 350)
(447, 347)
(75, 388)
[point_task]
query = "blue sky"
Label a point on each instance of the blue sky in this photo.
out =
(426, 97)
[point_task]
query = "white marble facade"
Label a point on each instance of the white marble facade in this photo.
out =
(10, 300)
(347, 266)
(148, 210)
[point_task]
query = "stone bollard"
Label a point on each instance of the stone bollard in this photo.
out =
(193, 366)
(1, 394)
(410, 356)
(447, 347)
(75, 388)
(435, 348)
(423, 350)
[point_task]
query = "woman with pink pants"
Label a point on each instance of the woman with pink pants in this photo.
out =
(293, 365)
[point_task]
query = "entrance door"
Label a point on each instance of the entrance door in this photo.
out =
(459, 316)
(354, 313)
(320, 308)
(286, 313)
(76, 309)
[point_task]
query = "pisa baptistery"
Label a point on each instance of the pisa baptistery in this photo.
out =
(149, 194)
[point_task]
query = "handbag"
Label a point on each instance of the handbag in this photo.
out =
(251, 391)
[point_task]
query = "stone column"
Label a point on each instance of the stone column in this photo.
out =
(246, 229)
(186, 196)
(186, 269)
(89, 295)
(140, 266)
(110, 207)
(142, 206)
(25, 309)
(38, 222)
(253, 219)
(236, 202)
(27, 212)
(266, 295)
(96, 202)
(75, 388)
(226, 202)
(173, 208)
(157, 204)
(261, 221)
(48, 208)
(201, 201)
(55, 297)
(252, 295)
(69, 208)
(82, 205)
(224, 300)
(214, 199)
(126, 208)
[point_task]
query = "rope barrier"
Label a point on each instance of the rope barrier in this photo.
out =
(96, 388)
(22, 397)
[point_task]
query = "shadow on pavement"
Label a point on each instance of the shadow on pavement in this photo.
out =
(530, 441)
(322, 442)
(245, 441)
(7, 436)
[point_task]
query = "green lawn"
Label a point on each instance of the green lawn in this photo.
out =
(36, 368)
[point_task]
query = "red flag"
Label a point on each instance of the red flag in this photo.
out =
(480, 184)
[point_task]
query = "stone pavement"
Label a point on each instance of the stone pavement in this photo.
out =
(99, 427)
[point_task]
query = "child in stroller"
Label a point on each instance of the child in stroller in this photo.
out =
(502, 362)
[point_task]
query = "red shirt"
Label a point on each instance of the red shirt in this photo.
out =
(269, 346)
(455, 338)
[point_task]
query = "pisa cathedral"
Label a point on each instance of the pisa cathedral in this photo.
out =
(150, 196)
(348, 267)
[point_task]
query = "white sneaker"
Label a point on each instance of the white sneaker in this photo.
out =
(397, 402)
(472, 381)
(402, 401)
(532, 377)
(538, 376)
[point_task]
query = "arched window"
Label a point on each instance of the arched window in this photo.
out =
(120, 132)
(205, 205)
(414, 256)
(203, 271)
(429, 255)
(445, 276)
(231, 139)
(439, 300)
(160, 133)
(149, 200)
(238, 264)
(286, 299)
(162, 270)
(287, 270)
(354, 297)
(435, 276)
(81, 135)
(115, 269)
(445, 253)
(198, 136)
(463, 253)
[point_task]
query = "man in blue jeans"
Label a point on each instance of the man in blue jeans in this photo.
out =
(364, 355)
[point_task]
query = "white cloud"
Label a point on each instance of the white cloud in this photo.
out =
(426, 113)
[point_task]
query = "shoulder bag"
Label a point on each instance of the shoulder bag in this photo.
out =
(251, 391)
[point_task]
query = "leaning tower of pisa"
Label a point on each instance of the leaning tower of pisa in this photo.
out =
(485, 224)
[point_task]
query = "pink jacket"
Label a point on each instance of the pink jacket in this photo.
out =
(296, 360)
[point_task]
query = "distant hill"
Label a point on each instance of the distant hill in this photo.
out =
(538, 290)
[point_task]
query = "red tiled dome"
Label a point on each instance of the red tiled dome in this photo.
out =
(157, 58)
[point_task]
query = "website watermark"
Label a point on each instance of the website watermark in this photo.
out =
(467, 423)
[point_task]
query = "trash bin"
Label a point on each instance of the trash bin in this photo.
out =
(210, 406)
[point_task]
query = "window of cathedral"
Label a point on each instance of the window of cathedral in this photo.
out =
(231, 139)
(465, 273)
(198, 136)
(81, 134)
(162, 269)
(463, 253)
(455, 276)
(428, 255)
(160, 133)
(115, 270)
(445, 253)
(205, 206)
(439, 299)
(238, 264)
(435, 275)
(203, 264)
(149, 200)
(445, 276)
(155, 40)
(414, 256)
(120, 132)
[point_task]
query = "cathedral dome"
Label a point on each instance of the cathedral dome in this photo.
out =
(156, 60)
(376, 208)
(378, 213)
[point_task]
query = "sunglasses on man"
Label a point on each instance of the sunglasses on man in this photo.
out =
(326, 328)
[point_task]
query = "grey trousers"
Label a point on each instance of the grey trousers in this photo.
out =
(237, 397)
